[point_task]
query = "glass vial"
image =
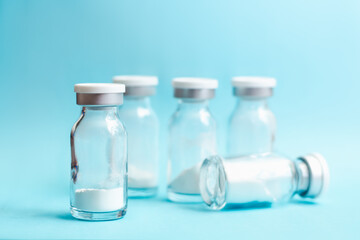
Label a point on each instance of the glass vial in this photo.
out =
(98, 189)
(261, 180)
(142, 127)
(192, 137)
(252, 125)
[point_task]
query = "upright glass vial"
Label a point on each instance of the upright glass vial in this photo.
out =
(261, 180)
(98, 189)
(192, 137)
(142, 127)
(252, 125)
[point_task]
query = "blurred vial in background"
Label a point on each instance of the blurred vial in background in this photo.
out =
(142, 127)
(192, 137)
(261, 180)
(98, 189)
(252, 125)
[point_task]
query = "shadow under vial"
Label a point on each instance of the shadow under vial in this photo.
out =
(303, 202)
(66, 216)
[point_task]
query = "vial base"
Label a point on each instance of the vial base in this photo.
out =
(97, 216)
(183, 197)
(142, 192)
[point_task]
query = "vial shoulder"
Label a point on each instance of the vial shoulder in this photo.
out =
(110, 126)
(262, 115)
(137, 113)
(191, 122)
(76, 125)
(140, 118)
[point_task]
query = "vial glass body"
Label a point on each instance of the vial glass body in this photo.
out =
(251, 128)
(98, 165)
(192, 137)
(142, 127)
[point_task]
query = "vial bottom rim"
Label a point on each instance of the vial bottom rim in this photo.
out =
(142, 192)
(183, 197)
(213, 182)
(97, 216)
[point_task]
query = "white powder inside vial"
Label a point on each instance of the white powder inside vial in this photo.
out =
(251, 191)
(188, 181)
(99, 200)
(267, 180)
(139, 178)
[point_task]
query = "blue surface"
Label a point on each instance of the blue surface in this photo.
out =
(311, 47)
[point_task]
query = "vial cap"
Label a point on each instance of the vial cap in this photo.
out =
(101, 94)
(194, 83)
(318, 174)
(253, 82)
(136, 81)
(99, 88)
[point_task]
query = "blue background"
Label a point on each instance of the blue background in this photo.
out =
(311, 47)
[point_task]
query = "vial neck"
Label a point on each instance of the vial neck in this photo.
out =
(252, 104)
(136, 101)
(99, 111)
(193, 104)
(303, 177)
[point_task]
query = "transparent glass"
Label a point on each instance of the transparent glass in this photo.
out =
(192, 138)
(251, 181)
(252, 127)
(142, 127)
(98, 189)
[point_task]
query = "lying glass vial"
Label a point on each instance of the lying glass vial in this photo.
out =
(261, 180)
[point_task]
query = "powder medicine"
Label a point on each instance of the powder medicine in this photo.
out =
(261, 179)
(142, 126)
(192, 137)
(98, 154)
(252, 124)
